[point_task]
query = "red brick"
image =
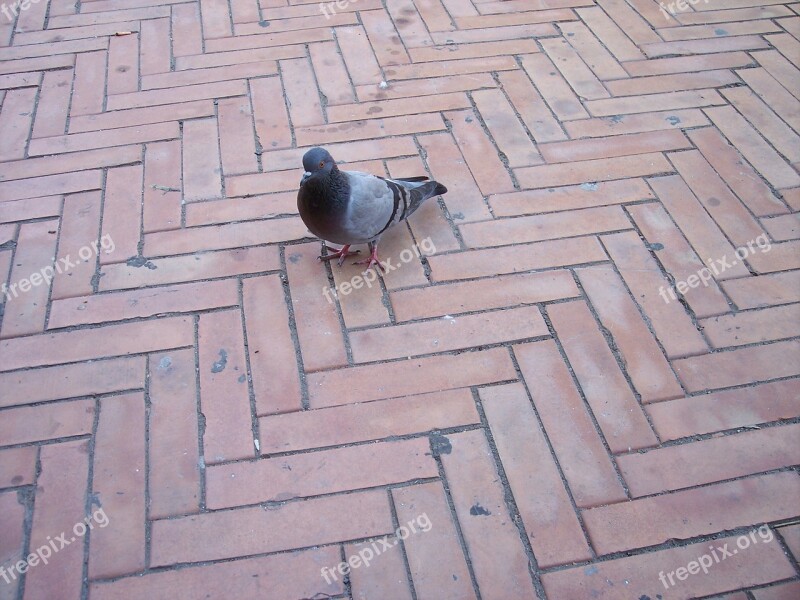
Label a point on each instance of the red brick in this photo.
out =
(475, 21)
(753, 147)
(688, 513)
(453, 333)
(617, 412)
(248, 208)
(74, 161)
(50, 185)
(353, 130)
(222, 89)
(783, 227)
(285, 38)
(44, 63)
(556, 92)
(119, 484)
(710, 460)
(202, 175)
(506, 129)
(245, 578)
(245, 531)
(12, 548)
(141, 116)
(79, 228)
(176, 269)
(723, 369)
(680, 261)
(780, 68)
(756, 292)
(162, 186)
(234, 57)
(396, 107)
(621, 145)
(780, 257)
(580, 78)
(464, 199)
(17, 467)
(276, 382)
(791, 535)
(784, 591)
(229, 235)
(143, 303)
(22, 210)
(261, 183)
(688, 64)
(391, 380)
(51, 112)
(92, 18)
(237, 145)
(154, 55)
(636, 123)
(592, 170)
(435, 559)
(736, 172)
(60, 504)
(769, 124)
(216, 19)
(72, 381)
(515, 259)
(426, 87)
(358, 55)
(385, 579)
(174, 469)
(717, 199)
(669, 320)
(224, 396)
(530, 106)
(663, 101)
(497, 292)
(734, 14)
(537, 228)
(122, 209)
(672, 83)
(541, 497)
(449, 67)
(697, 225)
(643, 359)
(37, 423)
(586, 466)
(387, 45)
(718, 411)
(410, 23)
(112, 340)
(617, 579)
(318, 329)
(187, 36)
(123, 64)
(298, 79)
(103, 139)
(490, 534)
(361, 422)
(751, 327)
(15, 122)
(480, 49)
(25, 309)
(88, 87)
(209, 75)
(336, 470)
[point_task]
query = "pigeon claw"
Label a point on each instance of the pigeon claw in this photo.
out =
(373, 258)
(341, 254)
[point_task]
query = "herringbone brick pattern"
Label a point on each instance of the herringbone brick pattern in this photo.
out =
(586, 381)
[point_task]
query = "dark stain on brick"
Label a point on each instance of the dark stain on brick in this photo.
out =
(220, 365)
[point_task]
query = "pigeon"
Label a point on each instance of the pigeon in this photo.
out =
(350, 207)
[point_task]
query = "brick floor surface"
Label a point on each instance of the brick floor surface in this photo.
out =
(582, 380)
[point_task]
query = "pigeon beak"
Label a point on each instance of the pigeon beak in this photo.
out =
(306, 175)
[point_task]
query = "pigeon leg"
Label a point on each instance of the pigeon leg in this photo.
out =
(373, 257)
(340, 254)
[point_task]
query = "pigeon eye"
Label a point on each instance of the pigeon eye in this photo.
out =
(321, 164)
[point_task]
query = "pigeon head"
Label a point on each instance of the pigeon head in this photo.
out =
(317, 160)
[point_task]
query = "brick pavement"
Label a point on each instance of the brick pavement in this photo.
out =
(530, 390)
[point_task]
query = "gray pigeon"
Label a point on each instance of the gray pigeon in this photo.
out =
(349, 207)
